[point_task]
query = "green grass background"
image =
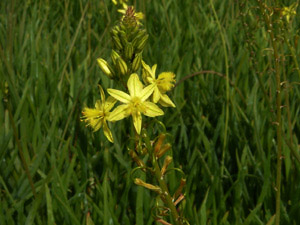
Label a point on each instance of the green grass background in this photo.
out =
(48, 73)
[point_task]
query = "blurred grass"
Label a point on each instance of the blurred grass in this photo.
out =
(48, 52)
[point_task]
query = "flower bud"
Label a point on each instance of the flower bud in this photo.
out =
(104, 66)
(117, 42)
(122, 66)
(123, 27)
(137, 62)
(141, 44)
(133, 33)
(115, 31)
(123, 38)
(138, 37)
(114, 56)
(128, 50)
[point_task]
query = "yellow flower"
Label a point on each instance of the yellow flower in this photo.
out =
(290, 12)
(99, 115)
(164, 82)
(135, 102)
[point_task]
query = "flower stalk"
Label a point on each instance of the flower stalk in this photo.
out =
(165, 192)
(143, 94)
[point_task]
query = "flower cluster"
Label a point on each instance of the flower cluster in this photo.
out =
(135, 103)
(143, 94)
(129, 39)
(289, 12)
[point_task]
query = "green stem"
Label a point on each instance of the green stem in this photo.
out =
(165, 191)
(165, 195)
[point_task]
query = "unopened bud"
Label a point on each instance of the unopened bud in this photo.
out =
(117, 42)
(122, 66)
(137, 62)
(122, 27)
(138, 37)
(142, 43)
(114, 56)
(139, 182)
(123, 38)
(133, 33)
(115, 31)
(104, 66)
(128, 50)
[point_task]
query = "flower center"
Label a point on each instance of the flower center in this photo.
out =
(136, 105)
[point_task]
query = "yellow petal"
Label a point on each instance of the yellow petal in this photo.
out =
(152, 110)
(146, 68)
(96, 124)
(146, 92)
(166, 101)
(110, 102)
(123, 11)
(134, 85)
(119, 113)
(98, 105)
(119, 95)
(101, 93)
(153, 70)
(156, 95)
(147, 78)
(91, 113)
(107, 132)
(125, 6)
(137, 121)
(148, 71)
(139, 15)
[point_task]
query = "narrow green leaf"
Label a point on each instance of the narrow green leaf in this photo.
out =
(203, 217)
(50, 216)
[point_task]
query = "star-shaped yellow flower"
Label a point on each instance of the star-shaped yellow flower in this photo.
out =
(164, 82)
(290, 12)
(135, 103)
(99, 115)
